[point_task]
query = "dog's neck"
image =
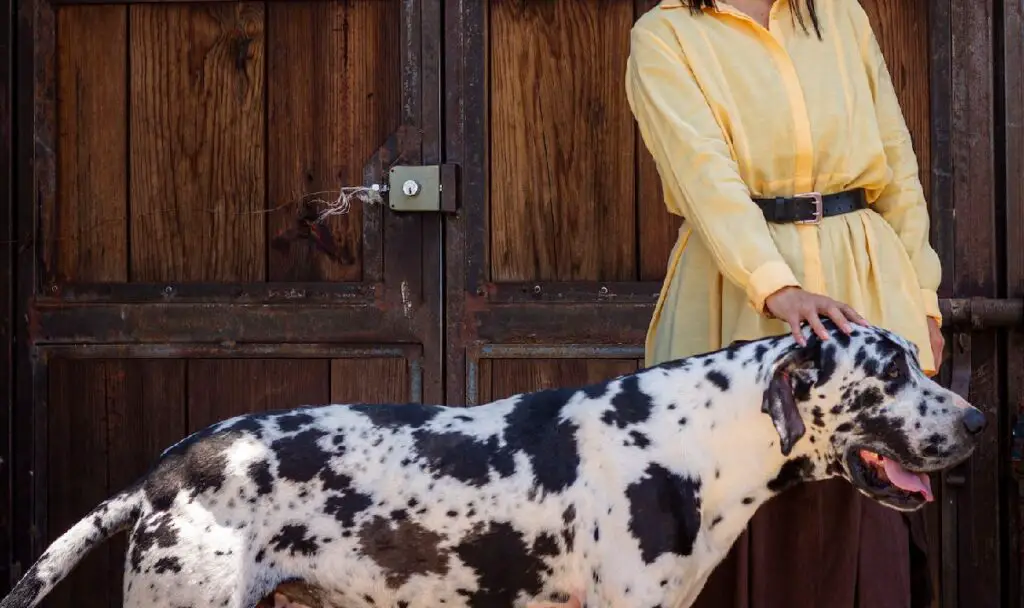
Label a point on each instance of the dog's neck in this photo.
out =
(737, 456)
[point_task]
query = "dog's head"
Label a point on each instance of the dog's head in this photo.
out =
(862, 408)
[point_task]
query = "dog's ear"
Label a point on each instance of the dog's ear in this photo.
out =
(793, 377)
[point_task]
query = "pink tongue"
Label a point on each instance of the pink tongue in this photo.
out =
(911, 482)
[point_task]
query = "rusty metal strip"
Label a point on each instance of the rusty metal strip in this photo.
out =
(557, 351)
(228, 293)
(231, 351)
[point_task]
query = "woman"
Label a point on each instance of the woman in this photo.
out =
(750, 108)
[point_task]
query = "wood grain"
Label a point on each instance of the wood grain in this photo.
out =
(86, 235)
(369, 381)
(334, 95)
(145, 402)
(514, 376)
(77, 436)
(901, 27)
(197, 142)
(222, 388)
(980, 523)
(562, 196)
(1013, 151)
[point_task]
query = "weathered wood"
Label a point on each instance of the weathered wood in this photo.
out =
(381, 380)
(85, 236)
(79, 447)
(1013, 157)
(562, 197)
(145, 414)
(197, 142)
(222, 388)
(657, 228)
(513, 376)
(980, 523)
(334, 91)
(7, 283)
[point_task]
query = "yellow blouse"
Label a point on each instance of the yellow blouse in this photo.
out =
(731, 110)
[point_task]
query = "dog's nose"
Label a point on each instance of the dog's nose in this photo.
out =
(974, 420)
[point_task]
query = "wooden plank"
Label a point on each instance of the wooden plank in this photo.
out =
(1013, 151)
(77, 481)
(381, 380)
(902, 33)
(7, 286)
(85, 228)
(197, 142)
(334, 95)
(221, 388)
(562, 194)
(514, 376)
(657, 228)
(145, 402)
(980, 523)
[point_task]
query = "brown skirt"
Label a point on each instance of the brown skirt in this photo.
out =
(824, 545)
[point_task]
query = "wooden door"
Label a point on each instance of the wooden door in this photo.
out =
(171, 268)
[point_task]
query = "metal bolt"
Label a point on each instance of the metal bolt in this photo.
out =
(603, 291)
(410, 188)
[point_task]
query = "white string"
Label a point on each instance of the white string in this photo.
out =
(342, 204)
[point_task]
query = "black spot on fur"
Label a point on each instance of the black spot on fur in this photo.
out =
(27, 589)
(294, 538)
(299, 456)
(403, 549)
(488, 552)
(196, 465)
(826, 364)
(596, 391)
(719, 379)
(819, 416)
(393, 416)
(664, 513)
(792, 472)
(462, 457)
(289, 423)
(167, 564)
(630, 405)
(343, 502)
(868, 399)
(156, 530)
(639, 439)
(259, 473)
(535, 428)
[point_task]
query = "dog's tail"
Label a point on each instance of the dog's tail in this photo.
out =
(61, 557)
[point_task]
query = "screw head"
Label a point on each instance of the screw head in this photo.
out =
(410, 188)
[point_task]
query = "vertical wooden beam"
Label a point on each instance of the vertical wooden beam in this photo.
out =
(975, 242)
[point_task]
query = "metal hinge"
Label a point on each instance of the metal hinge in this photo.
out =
(423, 189)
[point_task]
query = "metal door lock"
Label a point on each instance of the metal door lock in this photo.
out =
(422, 189)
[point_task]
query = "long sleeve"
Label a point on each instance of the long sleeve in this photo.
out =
(696, 166)
(902, 203)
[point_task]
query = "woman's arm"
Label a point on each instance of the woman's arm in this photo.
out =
(695, 164)
(902, 202)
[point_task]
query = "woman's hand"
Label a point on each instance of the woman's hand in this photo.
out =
(938, 342)
(794, 306)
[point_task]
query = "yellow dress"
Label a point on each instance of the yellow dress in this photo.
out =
(731, 110)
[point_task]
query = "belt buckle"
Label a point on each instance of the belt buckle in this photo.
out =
(818, 207)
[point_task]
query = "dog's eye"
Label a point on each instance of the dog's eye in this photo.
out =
(893, 370)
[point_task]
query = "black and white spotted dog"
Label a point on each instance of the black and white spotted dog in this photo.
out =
(626, 493)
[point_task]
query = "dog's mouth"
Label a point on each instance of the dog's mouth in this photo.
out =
(887, 480)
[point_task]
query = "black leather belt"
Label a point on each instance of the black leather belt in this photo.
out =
(810, 208)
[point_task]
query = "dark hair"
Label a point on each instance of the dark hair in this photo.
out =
(696, 5)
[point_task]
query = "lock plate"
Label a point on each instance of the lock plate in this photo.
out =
(416, 189)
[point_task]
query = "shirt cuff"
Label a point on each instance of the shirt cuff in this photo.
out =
(766, 280)
(931, 305)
